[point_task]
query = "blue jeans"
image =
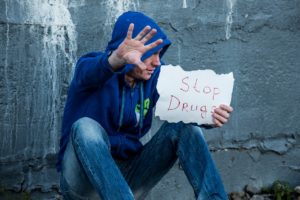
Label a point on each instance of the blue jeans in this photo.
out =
(90, 172)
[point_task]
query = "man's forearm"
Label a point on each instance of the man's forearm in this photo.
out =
(115, 61)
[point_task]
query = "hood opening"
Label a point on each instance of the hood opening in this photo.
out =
(140, 21)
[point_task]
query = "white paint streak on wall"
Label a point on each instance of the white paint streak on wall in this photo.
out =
(184, 4)
(51, 12)
(62, 37)
(76, 3)
(115, 8)
(229, 20)
(59, 37)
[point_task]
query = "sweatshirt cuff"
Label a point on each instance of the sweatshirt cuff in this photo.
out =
(107, 65)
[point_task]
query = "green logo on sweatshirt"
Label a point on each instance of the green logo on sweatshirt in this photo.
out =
(146, 106)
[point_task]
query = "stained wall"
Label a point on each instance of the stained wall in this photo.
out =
(259, 41)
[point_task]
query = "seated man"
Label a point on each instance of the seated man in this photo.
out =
(109, 108)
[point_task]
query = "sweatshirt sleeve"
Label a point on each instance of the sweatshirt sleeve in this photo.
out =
(93, 69)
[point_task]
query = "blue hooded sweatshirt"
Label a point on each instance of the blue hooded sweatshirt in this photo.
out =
(99, 93)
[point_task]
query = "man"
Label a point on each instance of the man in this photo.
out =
(109, 108)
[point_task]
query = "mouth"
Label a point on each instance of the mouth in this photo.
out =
(150, 72)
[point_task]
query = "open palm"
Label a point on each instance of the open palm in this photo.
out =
(132, 49)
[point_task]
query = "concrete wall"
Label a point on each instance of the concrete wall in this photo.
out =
(258, 40)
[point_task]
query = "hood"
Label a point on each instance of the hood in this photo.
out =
(140, 21)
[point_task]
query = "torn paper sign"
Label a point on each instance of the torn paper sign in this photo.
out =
(191, 96)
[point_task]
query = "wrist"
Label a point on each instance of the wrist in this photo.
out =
(115, 61)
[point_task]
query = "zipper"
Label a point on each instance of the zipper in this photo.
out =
(131, 103)
(130, 108)
(141, 108)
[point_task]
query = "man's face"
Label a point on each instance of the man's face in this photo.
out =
(151, 63)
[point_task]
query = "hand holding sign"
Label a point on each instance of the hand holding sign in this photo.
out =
(193, 96)
(221, 115)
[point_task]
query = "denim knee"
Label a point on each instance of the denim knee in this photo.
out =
(191, 132)
(179, 130)
(171, 131)
(89, 131)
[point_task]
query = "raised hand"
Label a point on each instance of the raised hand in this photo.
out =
(132, 49)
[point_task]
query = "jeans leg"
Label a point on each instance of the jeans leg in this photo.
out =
(91, 147)
(74, 183)
(175, 140)
(198, 165)
(157, 157)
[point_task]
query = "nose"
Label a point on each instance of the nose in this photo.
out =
(156, 60)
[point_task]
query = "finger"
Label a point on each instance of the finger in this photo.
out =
(153, 44)
(222, 113)
(220, 118)
(142, 33)
(149, 36)
(227, 108)
(130, 30)
(217, 123)
(140, 65)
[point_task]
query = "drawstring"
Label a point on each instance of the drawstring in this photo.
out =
(141, 109)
